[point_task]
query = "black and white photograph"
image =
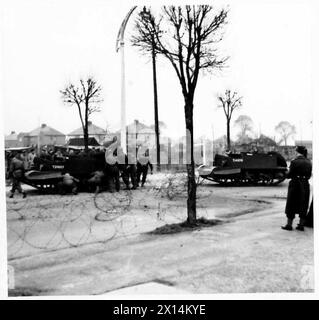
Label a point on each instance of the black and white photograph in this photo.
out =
(158, 149)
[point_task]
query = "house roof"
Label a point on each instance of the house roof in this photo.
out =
(222, 140)
(137, 127)
(46, 131)
(264, 140)
(92, 128)
(245, 140)
(11, 137)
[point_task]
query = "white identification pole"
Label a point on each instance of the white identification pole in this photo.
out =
(39, 142)
(213, 134)
(123, 102)
(204, 151)
(120, 46)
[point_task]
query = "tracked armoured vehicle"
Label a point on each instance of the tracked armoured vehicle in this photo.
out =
(246, 168)
(48, 173)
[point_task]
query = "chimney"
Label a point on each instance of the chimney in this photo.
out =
(89, 123)
(12, 132)
(43, 125)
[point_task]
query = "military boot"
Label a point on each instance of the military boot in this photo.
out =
(288, 226)
(300, 225)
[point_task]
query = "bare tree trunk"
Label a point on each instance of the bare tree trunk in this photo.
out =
(228, 134)
(86, 130)
(158, 159)
(86, 140)
(191, 182)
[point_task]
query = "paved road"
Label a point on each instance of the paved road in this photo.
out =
(248, 253)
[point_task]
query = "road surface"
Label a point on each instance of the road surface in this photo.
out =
(87, 245)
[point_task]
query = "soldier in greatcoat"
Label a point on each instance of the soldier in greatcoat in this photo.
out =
(112, 173)
(128, 173)
(298, 189)
(143, 163)
(16, 172)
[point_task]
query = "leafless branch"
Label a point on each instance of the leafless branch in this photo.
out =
(188, 39)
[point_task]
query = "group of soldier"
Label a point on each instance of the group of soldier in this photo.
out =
(133, 174)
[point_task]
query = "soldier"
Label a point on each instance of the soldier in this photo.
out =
(129, 171)
(58, 156)
(68, 183)
(112, 176)
(30, 158)
(112, 164)
(142, 167)
(16, 172)
(37, 163)
(298, 189)
(24, 158)
(96, 180)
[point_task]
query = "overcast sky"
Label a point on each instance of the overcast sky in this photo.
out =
(47, 44)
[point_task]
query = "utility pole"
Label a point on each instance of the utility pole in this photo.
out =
(147, 13)
(157, 133)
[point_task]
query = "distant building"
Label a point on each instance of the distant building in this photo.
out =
(220, 144)
(12, 140)
(44, 135)
(94, 132)
(245, 139)
(142, 133)
(137, 132)
(261, 144)
(22, 139)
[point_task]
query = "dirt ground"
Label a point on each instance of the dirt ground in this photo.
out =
(94, 244)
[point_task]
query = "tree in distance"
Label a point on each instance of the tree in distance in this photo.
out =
(245, 125)
(285, 130)
(229, 102)
(86, 97)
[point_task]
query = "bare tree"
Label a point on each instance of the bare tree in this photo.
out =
(86, 97)
(245, 125)
(285, 130)
(229, 102)
(187, 39)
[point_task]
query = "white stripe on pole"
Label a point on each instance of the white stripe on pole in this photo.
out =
(120, 46)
